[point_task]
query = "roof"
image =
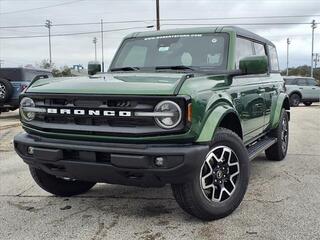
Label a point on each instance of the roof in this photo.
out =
(214, 29)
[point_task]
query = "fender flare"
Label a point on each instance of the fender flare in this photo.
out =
(282, 101)
(213, 121)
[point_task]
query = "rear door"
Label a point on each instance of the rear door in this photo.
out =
(313, 90)
(304, 88)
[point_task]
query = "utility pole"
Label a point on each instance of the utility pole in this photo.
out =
(48, 25)
(288, 43)
(102, 50)
(313, 26)
(95, 48)
(158, 14)
(316, 60)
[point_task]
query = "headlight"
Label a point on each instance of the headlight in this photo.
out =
(171, 114)
(25, 104)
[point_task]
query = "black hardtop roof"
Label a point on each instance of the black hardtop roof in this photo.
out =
(214, 29)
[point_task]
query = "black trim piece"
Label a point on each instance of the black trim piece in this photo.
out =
(181, 82)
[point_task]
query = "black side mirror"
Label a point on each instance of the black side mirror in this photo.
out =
(94, 67)
(254, 65)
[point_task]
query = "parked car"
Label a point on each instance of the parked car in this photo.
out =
(186, 107)
(13, 81)
(304, 90)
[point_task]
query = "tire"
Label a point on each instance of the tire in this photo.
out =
(195, 200)
(6, 90)
(307, 103)
(59, 186)
(278, 151)
(295, 100)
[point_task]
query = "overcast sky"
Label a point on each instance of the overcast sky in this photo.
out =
(70, 50)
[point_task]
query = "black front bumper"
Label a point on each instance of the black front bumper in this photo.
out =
(116, 163)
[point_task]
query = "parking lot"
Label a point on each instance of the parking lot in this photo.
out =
(282, 201)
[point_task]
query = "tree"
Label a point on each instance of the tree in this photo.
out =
(303, 71)
(64, 71)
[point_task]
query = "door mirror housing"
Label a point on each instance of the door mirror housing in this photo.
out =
(94, 67)
(254, 65)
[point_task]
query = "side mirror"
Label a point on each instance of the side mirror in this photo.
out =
(94, 67)
(254, 65)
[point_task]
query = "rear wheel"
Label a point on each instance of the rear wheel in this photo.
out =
(219, 186)
(59, 186)
(307, 103)
(5, 90)
(278, 151)
(295, 100)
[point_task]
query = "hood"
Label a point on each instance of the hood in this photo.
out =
(113, 83)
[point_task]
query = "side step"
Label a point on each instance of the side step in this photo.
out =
(260, 146)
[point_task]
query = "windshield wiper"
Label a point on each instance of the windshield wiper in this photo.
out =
(178, 67)
(125, 69)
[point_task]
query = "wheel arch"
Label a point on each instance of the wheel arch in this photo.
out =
(224, 116)
(282, 102)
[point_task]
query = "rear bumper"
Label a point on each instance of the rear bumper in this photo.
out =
(116, 163)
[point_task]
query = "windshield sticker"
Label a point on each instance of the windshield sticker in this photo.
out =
(173, 36)
(214, 40)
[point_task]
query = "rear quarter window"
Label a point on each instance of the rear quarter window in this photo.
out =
(290, 81)
(273, 56)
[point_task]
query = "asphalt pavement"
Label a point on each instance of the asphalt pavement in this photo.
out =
(282, 201)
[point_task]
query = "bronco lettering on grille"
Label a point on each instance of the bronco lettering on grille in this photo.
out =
(89, 112)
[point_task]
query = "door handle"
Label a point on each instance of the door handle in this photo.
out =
(313, 88)
(300, 87)
(261, 89)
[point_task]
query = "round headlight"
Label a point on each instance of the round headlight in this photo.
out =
(171, 114)
(24, 105)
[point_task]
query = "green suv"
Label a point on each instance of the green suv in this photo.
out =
(186, 107)
(302, 89)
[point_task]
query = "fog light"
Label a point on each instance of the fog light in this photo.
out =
(159, 161)
(30, 150)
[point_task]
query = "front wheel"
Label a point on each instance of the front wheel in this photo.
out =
(59, 186)
(219, 185)
(295, 100)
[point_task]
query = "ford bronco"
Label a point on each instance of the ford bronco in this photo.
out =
(186, 107)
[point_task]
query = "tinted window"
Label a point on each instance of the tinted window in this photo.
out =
(244, 48)
(259, 49)
(312, 82)
(289, 81)
(274, 64)
(302, 82)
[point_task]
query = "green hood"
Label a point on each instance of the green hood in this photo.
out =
(116, 83)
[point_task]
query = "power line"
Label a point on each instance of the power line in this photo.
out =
(71, 34)
(164, 20)
(38, 8)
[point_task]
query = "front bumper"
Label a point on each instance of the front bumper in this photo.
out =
(116, 163)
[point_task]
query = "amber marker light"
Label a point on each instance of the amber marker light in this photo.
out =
(189, 116)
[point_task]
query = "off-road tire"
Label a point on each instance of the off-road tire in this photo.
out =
(6, 90)
(191, 197)
(276, 152)
(59, 186)
(307, 103)
(295, 100)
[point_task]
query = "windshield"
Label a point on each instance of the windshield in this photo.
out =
(187, 52)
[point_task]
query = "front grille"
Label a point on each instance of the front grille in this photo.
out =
(100, 125)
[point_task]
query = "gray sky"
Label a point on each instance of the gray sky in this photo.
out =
(69, 50)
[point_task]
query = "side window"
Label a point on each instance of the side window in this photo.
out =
(289, 81)
(259, 49)
(312, 82)
(37, 77)
(136, 57)
(274, 64)
(244, 48)
(302, 82)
